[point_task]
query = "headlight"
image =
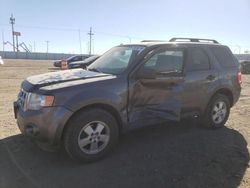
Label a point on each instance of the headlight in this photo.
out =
(36, 101)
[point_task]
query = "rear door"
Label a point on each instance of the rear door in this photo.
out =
(201, 78)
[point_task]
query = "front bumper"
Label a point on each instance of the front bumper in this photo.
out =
(45, 125)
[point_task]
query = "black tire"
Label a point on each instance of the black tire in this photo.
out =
(77, 124)
(208, 120)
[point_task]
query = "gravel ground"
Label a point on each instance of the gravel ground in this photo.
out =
(170, 155)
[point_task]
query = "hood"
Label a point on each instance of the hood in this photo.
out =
(62, 76)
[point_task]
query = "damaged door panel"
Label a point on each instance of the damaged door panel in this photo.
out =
(155, 92)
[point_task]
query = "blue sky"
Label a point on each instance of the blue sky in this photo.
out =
(122, 21)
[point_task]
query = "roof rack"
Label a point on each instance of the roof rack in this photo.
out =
(154, 41)
(193, 40)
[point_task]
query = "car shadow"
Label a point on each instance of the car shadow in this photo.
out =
(169, 155)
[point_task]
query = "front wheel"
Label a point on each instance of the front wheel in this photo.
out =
(217, 112)
(90, 135)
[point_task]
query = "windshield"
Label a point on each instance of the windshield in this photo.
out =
(116, 60)
(74, 58)
(92, 58)
(69, 58)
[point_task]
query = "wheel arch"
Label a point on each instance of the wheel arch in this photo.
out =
(105, 107)
(227, 92)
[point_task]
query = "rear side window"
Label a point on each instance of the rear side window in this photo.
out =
(224, 56)
(198, 60)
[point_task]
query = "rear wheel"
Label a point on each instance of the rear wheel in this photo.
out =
(90, 135)
(217, 112)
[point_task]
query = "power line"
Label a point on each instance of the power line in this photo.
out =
(128, 37)
(77, 30)
(46, 28)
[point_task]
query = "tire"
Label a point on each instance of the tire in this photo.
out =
(213, 119)
(90, 135)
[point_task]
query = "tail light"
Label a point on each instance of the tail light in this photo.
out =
(239, 77)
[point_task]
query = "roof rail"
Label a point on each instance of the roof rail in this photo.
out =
(193, 40)
(154, 41)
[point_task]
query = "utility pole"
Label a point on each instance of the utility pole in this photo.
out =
(12, 22)
(80, 40)
(47, 46)
(17, 43)
(90, 39)
(3, 39)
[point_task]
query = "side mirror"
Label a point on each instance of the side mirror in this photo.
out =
(145, 73)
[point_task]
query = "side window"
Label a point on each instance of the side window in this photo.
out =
(198, 60)
(166, 61)
(77, 58)
(224, 56)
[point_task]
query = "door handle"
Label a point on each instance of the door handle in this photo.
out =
(211, 77)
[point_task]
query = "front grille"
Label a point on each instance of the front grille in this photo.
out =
(22, 97)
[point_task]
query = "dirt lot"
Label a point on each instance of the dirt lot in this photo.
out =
(169, 155)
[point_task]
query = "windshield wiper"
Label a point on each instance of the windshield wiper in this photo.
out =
(94, 69)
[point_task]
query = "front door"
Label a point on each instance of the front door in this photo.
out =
(158, 98)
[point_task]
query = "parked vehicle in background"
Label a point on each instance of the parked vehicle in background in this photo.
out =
(1, 61)
(245, 67)
(130, 86)
(83, 64)
(70, 60)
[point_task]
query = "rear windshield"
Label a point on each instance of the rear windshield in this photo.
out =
(224, 56)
